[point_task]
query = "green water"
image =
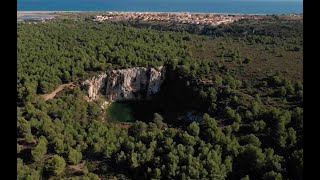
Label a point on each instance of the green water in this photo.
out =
(119, 111)
(132, 111)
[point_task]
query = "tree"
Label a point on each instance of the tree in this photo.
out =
(292, 137)
(258, 125)
(213, 107)
(25, 172)
(56, 165)
(250, 161)
(250, 139)
(203, 95)
(296, 165)
(194, 129)
(65, 77)
(58, 145)
(282, 92)
(40, 150)
(110, 148)
(236, 126)
(245, 178)
(255, 108)
(93, 110)
(18, 148)
(299, 95)
(297, 118)
(29, 138)
(91, 176)
(23, 126)
(248, 115)
(187, 139)
(138, 128)
(134, 160)
(218, 80)
(212, 94)
(157, 173)
(276, 81)
(230, 112)
(299, 86)
(290, 88)
(74, 156)
(158, 120)
(272, 176)
(273, 161)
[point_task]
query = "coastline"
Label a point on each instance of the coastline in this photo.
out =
(43, 12)
(54, 12)
(179, 17)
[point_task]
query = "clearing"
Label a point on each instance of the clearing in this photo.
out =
(58, 89)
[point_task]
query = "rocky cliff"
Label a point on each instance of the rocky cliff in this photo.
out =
(125, 84)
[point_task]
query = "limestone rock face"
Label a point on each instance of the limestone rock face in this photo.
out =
(126, 84)
(94, 85)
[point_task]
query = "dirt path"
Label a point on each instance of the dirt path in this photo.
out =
(77, 167)
(54, 93)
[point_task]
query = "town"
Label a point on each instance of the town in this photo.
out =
(179, 17)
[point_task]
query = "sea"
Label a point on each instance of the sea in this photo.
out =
(201, 6)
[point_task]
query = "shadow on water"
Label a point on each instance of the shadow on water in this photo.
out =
(175, 99)
(128, 111)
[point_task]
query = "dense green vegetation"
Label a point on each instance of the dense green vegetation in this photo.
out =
(54, 53)
(272, 26)
(251, 118)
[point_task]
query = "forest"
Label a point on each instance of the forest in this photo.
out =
(243, 80)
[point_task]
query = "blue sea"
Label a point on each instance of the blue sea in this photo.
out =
(205, 6)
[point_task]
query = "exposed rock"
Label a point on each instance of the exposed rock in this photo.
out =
(104, 105)
(126, 84)
(94, 85)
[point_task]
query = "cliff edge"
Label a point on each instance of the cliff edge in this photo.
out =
(125, 84)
